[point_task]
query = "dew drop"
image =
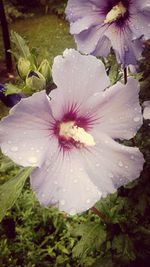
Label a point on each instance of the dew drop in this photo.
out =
(120, 163)
(32, 160)
(72, 212)
(110, 175)
(136, 119)
(62, 202)
(55, 182)
(97, 164)
(75, 181)
(14, 149)
(88, 201)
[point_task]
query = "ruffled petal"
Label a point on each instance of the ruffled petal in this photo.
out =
(116, 111)
(87, 41)
(25, 133)
(63, 182)
(84, 23)
(110, 164)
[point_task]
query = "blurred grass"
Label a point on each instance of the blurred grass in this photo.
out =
(49, 34)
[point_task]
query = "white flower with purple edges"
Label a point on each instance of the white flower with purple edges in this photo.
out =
(98, 25)
(70, 138)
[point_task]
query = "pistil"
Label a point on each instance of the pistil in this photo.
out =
(116, 12)
(70, 130)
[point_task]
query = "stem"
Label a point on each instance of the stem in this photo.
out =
(6, 38)
(125, 75)
(99, 213)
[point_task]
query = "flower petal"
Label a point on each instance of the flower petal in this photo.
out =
(84, 23)
(25, 133)
(140, 25)
(62, 181)
(77, 9)
(110, 164)
(117, 112)
(88, 40)
(128, 50)
(146, 112)
(78, 77)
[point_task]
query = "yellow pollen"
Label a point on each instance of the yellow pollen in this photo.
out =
(115, 13)
(78, 134)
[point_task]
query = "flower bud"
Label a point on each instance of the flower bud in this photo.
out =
(35, 80)
(23, 67)
(45, 69)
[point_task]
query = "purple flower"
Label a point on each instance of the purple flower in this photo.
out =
(99, 25)
(70, 138)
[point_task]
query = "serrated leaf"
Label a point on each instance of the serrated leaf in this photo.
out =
(11, 190)
(93, 235)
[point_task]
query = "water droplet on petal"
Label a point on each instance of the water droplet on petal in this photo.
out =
(88, 201)
(14, 148)
(75, 181)
(136, 119)
(120, 163)
(32, 160)
(72, 212)
(62, 202)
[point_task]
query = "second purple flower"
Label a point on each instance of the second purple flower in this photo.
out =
(98, 25)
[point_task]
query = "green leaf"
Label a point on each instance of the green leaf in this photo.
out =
(105, 261)
(20, 43)
(11, 89)
(11, 190)
(93, 236)
(124, 247)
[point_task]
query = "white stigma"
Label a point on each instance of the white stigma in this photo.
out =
(116, 12)
(78, 134)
